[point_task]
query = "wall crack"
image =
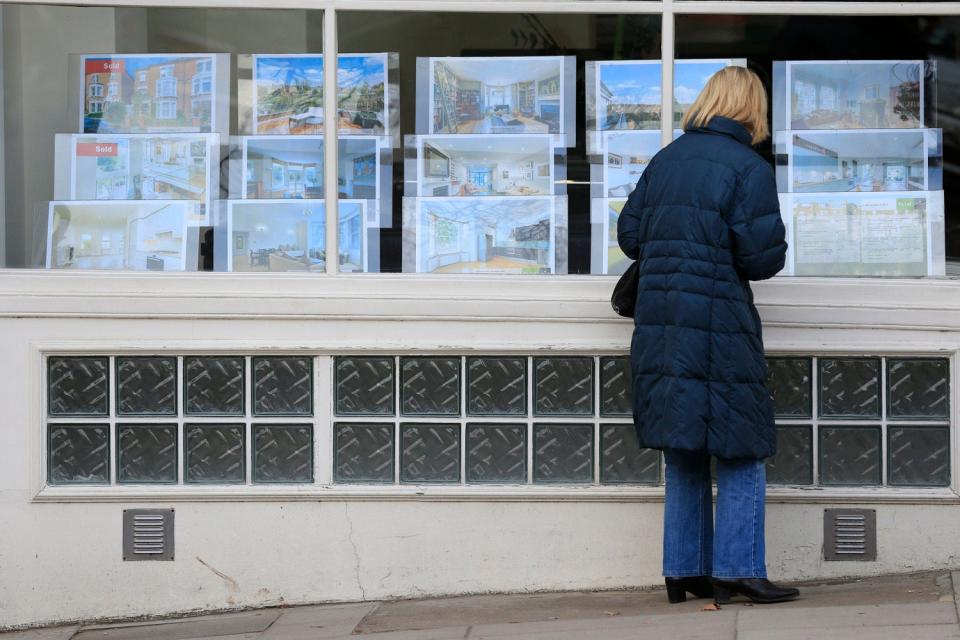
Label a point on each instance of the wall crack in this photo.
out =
(356, 552)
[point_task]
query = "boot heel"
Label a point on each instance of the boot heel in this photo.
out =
(675, 592)
(721, 595)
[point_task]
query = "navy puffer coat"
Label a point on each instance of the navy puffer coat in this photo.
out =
(703, 220)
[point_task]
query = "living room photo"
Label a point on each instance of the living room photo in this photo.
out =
(483, 165)
(497, 95)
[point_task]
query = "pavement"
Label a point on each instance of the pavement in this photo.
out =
(920, 606)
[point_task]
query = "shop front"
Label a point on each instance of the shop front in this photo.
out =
(248, 366)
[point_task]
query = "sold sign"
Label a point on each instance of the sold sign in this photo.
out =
(97, 149)
(103, 65)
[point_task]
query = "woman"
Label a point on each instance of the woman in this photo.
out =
(703, 220)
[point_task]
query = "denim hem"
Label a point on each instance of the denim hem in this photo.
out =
(736, 575)
(684, 574)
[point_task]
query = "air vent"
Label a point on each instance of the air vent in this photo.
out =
(148, 534)
(849, 534)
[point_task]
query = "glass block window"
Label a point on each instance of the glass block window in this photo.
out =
(860, 421)
(125, 420)
(499, 419)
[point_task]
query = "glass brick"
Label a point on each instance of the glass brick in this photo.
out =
(789, 383)
(146, 386)
(496, 386)
(918, 388)
(793, 462)
(497, 453)
(147, 453)
(616, 387)
(563, 386)
(283, 453)
(283, 386)
(623, 460)
(78, 386)
(215, 453)
(850, 455)
(430, 386)
(214, 385)
(363, 453)
(78, 454)
(429, 453)
(849, 387)
(918, 456)
(365, 386)
(563, 453)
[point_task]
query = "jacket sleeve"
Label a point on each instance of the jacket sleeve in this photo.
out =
(759, 245)
(628, 223)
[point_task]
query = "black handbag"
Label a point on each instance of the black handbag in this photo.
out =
(624, 298)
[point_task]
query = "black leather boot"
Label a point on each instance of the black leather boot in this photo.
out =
(677, 588)
(760, 590)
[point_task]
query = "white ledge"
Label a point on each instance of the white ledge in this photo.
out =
(475, 493)
(786, 301)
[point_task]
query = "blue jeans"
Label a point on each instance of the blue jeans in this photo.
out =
(692, 545)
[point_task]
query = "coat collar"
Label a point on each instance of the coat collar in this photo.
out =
(727, 127)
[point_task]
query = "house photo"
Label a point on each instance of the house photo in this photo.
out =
(496, 95)
(288, 94)
(485, 235)
(279, 235)
(615, 260)
(859, 160)
(483, 165)
(118, 235)
(292, 167)
(146, 93)
(142, 167)
(856, 95)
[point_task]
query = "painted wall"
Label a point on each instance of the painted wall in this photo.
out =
(61, 559)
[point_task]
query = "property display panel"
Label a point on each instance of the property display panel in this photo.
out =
(163, 166)
(151, 93)
(141, 235)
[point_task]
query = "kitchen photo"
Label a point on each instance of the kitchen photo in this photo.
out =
(292, 167)
(496, 234)
(861, 160)
(118, 235)
(497, 95)
(465, 165)
(280, 235)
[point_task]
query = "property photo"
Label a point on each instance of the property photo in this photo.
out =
(292, 167)
(485, 235)
(626, 95)
(627, 154)
(146, 93)
(142, 167)
(616, 262)
(288, 94)
(118, 235)
(861, 234)
(279, 235)
(856, 94)
(496, 95)
(860, 160)
(484, 165)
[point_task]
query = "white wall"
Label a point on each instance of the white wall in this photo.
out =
(61, 559)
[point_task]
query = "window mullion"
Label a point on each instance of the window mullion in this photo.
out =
(330, 188)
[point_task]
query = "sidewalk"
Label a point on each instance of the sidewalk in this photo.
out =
(911, 607)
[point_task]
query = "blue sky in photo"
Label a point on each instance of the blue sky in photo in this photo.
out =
(640, 83)
(351, 70)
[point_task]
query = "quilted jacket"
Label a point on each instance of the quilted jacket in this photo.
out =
(703, 220)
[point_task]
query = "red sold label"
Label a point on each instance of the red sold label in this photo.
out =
(97, 149)
(103, 65)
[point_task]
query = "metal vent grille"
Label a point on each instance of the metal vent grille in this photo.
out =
(148, 534)
(849, 534)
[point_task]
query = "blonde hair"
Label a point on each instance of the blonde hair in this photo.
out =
(736, 93)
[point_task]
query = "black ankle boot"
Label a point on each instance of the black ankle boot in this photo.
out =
(677, 588)
(760, 590)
